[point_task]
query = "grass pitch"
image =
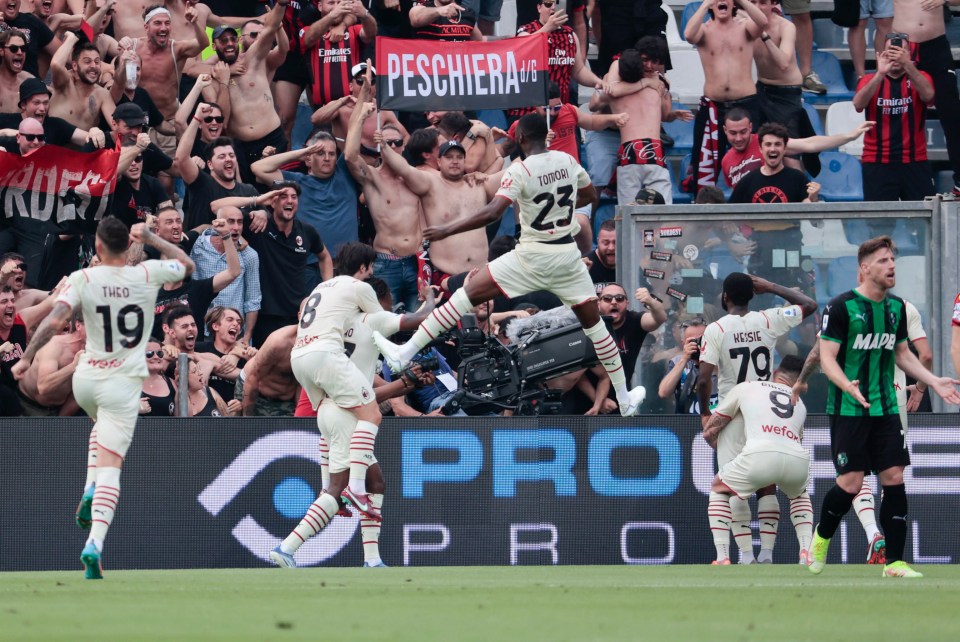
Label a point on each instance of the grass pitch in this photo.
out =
(673, 603)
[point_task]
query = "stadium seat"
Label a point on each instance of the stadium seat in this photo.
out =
(688, 11)
(493, 118)
(841, 118)
(682, 133)
(814, 116)
(674, 36)
(841, 178)
(828, 35)
(686, 77)
(828, 68)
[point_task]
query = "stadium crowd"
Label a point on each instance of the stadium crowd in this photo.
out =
(201, 99)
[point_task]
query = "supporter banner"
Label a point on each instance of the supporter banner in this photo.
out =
(203, 493)
(56, 185)
(420, 75)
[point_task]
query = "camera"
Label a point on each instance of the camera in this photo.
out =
(695, 355)
(494, 377)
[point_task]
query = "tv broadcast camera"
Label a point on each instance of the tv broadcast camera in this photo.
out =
(493, 377)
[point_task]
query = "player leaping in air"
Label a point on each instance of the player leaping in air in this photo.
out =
(549, 186)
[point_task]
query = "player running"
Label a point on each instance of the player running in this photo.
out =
(772, 453)
(549, 186)
(117, 302)
(739, 347)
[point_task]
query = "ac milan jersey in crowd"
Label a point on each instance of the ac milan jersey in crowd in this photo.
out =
(900, 135)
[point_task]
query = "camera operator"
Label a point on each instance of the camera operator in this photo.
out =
(431, 392)
(681, 380)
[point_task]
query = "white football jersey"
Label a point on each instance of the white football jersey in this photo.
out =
(770, 421)
(545, 187)
(741, 347)
(915, 332)
(118, 304)
(358, 339)
(329, 310)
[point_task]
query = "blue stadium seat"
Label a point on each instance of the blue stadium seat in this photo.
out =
(841, 178)
(682, 133)
(841, 275)
(493, 118)
(814, 116)
(828, 68)
(688, 11)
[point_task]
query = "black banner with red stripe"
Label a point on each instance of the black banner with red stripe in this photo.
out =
(419, 75)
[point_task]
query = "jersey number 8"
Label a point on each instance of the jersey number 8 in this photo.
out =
(309, 311)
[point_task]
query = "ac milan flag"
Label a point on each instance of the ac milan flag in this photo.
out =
(423, 75)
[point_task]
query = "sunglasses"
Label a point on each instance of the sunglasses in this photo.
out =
(548, 4)
(610, 298)
(253, 35)
(213, 119)
(154, 353)
(398, 142)
(138, 159)
(555, 108)
(695, 322)
(34, 137)
(15, 48)
(21, 266)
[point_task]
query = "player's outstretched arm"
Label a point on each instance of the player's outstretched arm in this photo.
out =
(809, 367)
(793, 297)
(490, 212)
(910, 364)
(140, 233)
(50, 327)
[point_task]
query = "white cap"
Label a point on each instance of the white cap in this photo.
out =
(359, 68)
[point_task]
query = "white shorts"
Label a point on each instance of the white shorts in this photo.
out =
(542, 266)
(114, 404)
(753, 470)
(337, 425)
(331, 375)
(731, 441)
(633, 178)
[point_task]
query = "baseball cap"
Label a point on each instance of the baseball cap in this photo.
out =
(131, 114)
(222, 29)
(451, 144)
(361, 67)
(648, 196)
(31, 87)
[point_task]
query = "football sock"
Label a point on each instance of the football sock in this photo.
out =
(319, 514)
(836, 503)
(436, 323)
(91, 459)
(893, 519)
(801, 514)
(370, 532)
(609, 355)
(864, 505)
(324, 463)
(104, 505)
(768, 515)
(361, 455)
(740, 525)
(718, 515)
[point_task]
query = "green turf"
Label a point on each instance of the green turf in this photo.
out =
(497, 604)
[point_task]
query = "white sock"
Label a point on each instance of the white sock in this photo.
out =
(718, 514)
(801, 514)
(768, 515)
(361, 455)
(609, 355)
(324, 463)
(866, 513)
(91, 459)
(104, 505)
(742, 535)
(436, 323)
(370, 533)
(319, 514)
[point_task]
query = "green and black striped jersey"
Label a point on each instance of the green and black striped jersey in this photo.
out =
(867, 331)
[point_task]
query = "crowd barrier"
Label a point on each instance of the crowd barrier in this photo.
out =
(217, 493)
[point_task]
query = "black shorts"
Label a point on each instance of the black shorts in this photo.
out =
(294, 69)
(897, 181)
(867, 444)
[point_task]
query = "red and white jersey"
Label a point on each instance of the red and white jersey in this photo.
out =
(329, 310)
(117, 304)
(741, 347)
(545, 186)
(358, 339)
(770, 421)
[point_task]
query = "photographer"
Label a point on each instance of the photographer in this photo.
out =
(681, 380)
(429, 397)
